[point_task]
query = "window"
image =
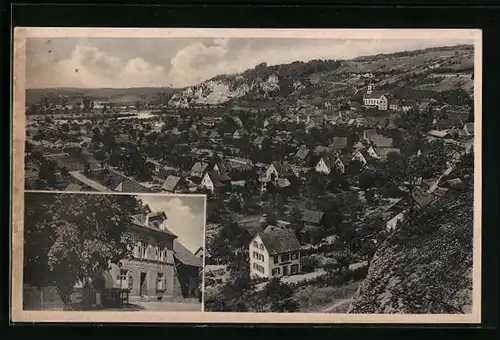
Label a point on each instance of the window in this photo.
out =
(295, 255)
(285, 257)
(161, 253)
(123, 278)
(276, 258)
(261, 257)
(122, 275)
(261, 246)
(159, 282)
(255, 244)
(294, 268)
(276, 271)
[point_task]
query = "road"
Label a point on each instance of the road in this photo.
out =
(93, 184)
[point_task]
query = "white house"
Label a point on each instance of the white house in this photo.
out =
(376, 99)
(327, 164)
(361, 156)
(275, 252)
(392, 224)
(212, 180)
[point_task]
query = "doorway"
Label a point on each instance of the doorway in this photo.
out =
(285, 270)
(142, 284)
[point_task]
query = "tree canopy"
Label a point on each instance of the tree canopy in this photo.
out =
(72, 237)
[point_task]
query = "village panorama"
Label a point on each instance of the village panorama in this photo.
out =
(332, 186)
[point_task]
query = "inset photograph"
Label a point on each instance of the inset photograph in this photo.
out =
(113, 252)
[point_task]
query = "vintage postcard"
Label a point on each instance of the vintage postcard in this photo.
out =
(247, 175)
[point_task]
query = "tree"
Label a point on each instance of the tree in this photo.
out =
(71, 238)
(101, 157)
(280, 295)
(47, 172)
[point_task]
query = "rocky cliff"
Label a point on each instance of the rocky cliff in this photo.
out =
(426, 265)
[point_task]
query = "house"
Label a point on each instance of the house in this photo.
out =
(339, 143)
(361, 156)
(378, 140)
(395, 105)
(174, 184)
(150, 273)
(128, 185)
(312, 217)
(394, 221)
(188, 271)
(199, 169)
(455, 183)
(383, 152)
(199, 253)
(326, 164)
(302, 154)
(322, 150)
(214, 181)
(275, 252)
(376, 99)
(279, 170)
(469, 129)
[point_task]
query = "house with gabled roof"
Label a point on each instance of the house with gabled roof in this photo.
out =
(199, 169)
(327, 164)
(312, 217)
(128, 185)
(174, 184)
(362, 156)
(214, 181)
(383, 152)
(274, 252)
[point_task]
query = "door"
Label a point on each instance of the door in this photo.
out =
(142, 284)
(285, 270)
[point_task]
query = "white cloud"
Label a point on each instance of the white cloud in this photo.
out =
(181, 219)
(90, 67)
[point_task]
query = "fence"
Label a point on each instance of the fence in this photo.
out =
(48, 298)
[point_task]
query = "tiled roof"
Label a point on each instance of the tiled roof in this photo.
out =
(128, 185)
(322, 149)
(198, 169)
(183, 255)
(302, 153)
(277, 240)
(339, 142)
(283, 169)
(171, 183)
(311, 216)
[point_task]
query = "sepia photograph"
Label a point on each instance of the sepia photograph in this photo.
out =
(327, 175)
(112, 252)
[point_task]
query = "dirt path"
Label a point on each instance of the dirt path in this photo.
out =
(336, 305)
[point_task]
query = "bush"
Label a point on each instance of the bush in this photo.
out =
(308, 263)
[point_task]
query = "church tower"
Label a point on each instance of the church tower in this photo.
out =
(370, 89)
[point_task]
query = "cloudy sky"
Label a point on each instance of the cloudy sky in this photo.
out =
(185, 217)
(178, 62)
